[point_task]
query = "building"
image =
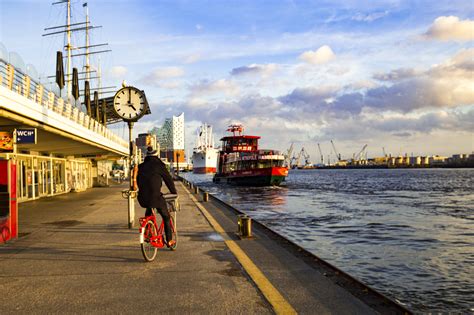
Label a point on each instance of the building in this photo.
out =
(144, 141)
(171, 139)
(71, 151)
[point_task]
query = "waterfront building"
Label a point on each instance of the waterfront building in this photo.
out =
(71, 151)
(144, 141)
(171, 139)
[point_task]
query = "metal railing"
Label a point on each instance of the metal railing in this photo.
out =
(16, 81)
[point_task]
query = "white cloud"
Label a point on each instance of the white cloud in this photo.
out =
(118, 72)
(159, 75)
(322, 55)
(192, 58)
(199, 27)
(222, 87)
(369, 17)
(451, 28)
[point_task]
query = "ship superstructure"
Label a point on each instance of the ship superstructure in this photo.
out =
(241, 162)
(204, 154)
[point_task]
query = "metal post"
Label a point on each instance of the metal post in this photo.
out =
(177, 164)
(131, 202)
(205, 196)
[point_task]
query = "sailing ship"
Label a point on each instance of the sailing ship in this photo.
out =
(241, 162)
(204, 157)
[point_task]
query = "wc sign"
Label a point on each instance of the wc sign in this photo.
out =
(26, 136)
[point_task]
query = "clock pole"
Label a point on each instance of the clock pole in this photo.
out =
(131, 202)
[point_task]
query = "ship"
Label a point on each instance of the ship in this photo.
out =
(241, 162)
(204, 157)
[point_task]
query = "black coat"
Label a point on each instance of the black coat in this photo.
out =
(149, 179)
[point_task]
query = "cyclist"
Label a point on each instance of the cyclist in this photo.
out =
(149, 179)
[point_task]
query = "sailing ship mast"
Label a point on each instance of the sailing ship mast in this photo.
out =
(67, 29)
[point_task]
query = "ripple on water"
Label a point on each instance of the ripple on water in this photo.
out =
(406, 232)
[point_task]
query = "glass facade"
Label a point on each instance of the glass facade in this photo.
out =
(40, 176)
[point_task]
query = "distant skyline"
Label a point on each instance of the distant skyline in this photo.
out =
(392, 74)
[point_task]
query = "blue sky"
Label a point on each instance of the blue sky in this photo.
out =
(393, 74)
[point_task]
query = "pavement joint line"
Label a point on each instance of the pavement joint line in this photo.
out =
(273, 296)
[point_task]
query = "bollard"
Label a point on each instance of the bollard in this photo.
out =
(205, 196)
(191, 186)
(246, 226)
(239, 223)
(196, 189)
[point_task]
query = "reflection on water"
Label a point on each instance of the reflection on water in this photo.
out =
(408, 233)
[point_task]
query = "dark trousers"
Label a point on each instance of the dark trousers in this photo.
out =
(166, 219)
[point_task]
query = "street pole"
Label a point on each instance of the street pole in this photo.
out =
(177, 164)
(131, 202)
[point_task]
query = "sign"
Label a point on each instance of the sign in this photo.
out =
(6, 141)
(25, 136)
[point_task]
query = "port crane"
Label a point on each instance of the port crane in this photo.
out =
(297, 158)
(338, 156)
(321, 153)
(288, 158)
(360, 155)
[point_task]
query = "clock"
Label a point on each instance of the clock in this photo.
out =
(129, 103)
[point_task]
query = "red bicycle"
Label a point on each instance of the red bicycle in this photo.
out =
(152, 229)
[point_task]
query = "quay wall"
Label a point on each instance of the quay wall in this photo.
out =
(363, 292)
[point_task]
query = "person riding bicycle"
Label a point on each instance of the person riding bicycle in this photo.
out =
(149, 179)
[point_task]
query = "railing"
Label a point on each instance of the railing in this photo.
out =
(15, 80)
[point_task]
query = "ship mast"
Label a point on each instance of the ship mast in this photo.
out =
(68, 49)
(87, 65)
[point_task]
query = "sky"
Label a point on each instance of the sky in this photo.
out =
(395, 75)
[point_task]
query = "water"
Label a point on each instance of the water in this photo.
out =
(409, 233)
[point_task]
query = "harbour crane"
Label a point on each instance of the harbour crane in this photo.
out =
(288, 158)
(297, 158)
(384, 153)
(338, 156)
(321, 153)
(359, 155)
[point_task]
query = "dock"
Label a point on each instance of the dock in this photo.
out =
(75, 254)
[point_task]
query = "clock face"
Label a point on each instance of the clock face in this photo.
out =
(129, 103)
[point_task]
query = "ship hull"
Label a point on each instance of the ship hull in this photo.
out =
(205, 161)
(204, 170)
(271, 176)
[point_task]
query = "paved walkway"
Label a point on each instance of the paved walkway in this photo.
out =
(76, 255)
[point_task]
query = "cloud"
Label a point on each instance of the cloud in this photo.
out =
(199, 27)
(206, 87)
(369, 17)
(451, 28)
(255, 69)
(396, 75)
(118, 72)
(322, 55)
(192, 58)
(159, 75)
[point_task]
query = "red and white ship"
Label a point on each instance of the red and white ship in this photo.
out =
(204, 154)
(241, 162)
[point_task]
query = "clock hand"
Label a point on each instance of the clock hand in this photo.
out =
(129, 96)
(133, 107)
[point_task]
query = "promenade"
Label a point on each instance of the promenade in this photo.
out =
(75, 254)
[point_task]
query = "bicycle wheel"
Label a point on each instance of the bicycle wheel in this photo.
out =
(148, 250)
(174, 230)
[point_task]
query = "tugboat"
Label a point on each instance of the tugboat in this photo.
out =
(241, 162)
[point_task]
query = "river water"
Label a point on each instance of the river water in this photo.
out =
(409, 233)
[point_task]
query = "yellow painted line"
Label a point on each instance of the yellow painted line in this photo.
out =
(273, 296)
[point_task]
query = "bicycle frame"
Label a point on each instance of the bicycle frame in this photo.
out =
(158, 240)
